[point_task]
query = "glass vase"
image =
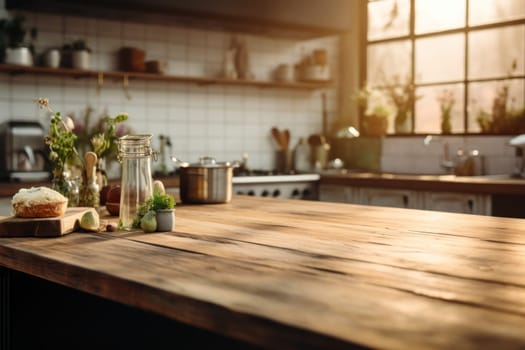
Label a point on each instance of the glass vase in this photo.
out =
(67, 186)
(403, 123)
(446, 126)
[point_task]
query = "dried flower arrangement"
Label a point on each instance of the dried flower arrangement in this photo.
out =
(505, 117)
(446, 101)
(403, 96)
(63, 144)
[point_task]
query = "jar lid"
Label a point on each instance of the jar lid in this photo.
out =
(131, 146)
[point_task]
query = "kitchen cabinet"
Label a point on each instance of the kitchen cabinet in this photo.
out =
(457, 203)
(338, 194)
(465, 203)
(389, 198)
(101, 76)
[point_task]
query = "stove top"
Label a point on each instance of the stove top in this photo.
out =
(270, 176)
(258, 172)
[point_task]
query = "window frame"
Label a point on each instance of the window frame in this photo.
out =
(412, 37)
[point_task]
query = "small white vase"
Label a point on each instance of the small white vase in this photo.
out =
(52, 58)
(19, 55)
(80, 59)
(165, 220)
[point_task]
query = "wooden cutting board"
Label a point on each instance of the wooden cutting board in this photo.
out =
(45, 227)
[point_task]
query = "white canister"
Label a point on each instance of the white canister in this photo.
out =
(80, 59)
(19, 55)
(52, 58)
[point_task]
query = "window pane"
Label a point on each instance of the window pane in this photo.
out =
(482, 96)
(428, 108)
(490, 11)
(432, 15)
(388, 18)
(387, 60)
(440, 58)
(492, 52)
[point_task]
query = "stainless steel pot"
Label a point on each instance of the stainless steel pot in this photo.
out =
(207, 181)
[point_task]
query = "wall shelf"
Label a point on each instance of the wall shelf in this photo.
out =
(117, 75)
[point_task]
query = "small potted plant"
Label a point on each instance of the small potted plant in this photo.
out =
(446, 101)
(375, 109)
(13, 47)
(157, 214)
(76, 55)
(375, 123)
(403, 95)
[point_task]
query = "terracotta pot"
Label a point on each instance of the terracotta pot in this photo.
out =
(375, 126)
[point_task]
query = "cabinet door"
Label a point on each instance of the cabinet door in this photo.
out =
(457, 203)
(389, 198)
(334, 193)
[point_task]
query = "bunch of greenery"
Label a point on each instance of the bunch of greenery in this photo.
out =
(61, 139)
(505, 118)
(446, 101)
(101, 137)
(103, 141)
(403, 95)
(12, 34)
(76, 45)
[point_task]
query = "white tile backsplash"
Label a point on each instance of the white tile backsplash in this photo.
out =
(219, 120)
(409, 155)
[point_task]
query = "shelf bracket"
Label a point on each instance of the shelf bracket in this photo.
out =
(100, 82)
(125, 86)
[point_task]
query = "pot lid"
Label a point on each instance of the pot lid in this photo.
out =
(204, 162)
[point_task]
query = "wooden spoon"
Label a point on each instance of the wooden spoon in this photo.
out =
(91, 163)
(286, 139)
(277, 137)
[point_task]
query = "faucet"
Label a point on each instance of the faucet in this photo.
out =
(446, 162)
(463, 164)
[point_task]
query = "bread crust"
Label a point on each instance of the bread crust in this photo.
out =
(40, 210)
(38, 202)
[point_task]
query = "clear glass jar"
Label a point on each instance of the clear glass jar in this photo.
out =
(134, 153)
(90, 192)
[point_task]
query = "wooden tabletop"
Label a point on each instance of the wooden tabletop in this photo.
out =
(303, 274)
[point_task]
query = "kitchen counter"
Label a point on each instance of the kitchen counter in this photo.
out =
(8, 189)
(472, 184)
(306, 275)
(450, 183)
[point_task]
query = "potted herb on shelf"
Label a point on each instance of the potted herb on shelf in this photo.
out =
(13, 47)
(376, 122)
(403, 96)
(375, 110)
(76, 55)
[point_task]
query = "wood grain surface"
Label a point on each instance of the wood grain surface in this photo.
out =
(300, 274)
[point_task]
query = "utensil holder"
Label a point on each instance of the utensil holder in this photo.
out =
(283, 161)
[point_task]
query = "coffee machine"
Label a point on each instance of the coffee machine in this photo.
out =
(23, 152)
